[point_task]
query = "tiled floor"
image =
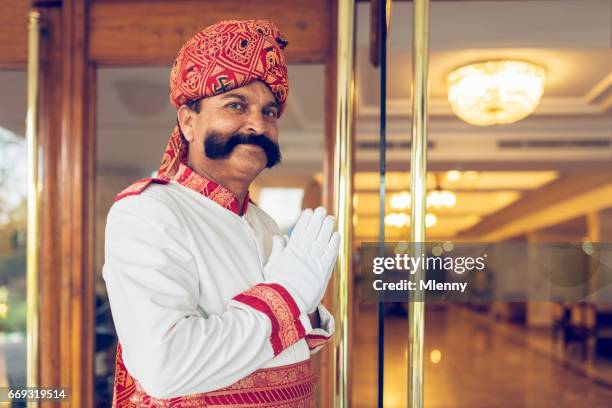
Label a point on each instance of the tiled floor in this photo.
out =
(479, 366)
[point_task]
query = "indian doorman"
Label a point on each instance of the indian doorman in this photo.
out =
(211, 305)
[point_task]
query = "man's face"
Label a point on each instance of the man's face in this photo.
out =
(235, 132)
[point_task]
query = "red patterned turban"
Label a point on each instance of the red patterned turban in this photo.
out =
(224, 56)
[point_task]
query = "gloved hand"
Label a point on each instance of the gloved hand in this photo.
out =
(304, 265)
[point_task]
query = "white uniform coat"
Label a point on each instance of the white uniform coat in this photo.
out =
(174, 259)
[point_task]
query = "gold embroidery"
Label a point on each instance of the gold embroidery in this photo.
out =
(219, 194)
(134, 187)
(290, 386)
(281, 311)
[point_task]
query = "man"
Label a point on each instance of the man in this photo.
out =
(211, 306)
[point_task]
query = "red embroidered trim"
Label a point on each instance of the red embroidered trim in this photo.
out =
(275, 302)
(187, 177)
(138, 187)
(124, 383)
(290, 386)
(316, 340)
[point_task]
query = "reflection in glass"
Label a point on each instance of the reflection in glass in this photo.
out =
(133, 122)
(542, 179)
(13, 167)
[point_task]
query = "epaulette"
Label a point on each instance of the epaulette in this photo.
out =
(139, 186)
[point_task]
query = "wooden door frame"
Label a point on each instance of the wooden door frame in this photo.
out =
(77, 158)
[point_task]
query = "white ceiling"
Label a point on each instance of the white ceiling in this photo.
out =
(570, 39)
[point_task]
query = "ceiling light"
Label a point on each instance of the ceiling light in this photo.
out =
(397, 220)
(400, 201)
(495, 92)
(453, 175)
(430, 220)
(400, 220)
(435, 198)
(441, 198)
(435, 356)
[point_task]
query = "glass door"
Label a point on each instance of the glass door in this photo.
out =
(519, 158)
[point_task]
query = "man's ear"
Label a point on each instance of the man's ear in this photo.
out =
(186, 119)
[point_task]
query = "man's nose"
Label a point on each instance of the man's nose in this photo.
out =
(256, 124)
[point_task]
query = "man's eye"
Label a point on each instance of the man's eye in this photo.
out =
(235, 105)
(271, 113)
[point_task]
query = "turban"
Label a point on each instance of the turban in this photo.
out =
(222, 57)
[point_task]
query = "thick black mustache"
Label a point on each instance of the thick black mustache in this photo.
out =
(217, 147)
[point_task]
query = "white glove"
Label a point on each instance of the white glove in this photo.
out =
(278, 244)
(305, 264)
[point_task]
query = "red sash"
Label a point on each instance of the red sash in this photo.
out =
(290, 386)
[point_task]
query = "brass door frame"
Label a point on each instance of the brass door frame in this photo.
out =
(418, 174)
(343, 191)
(343, 195)
(33, 201)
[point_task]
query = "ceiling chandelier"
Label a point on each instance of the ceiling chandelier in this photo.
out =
(495, 92)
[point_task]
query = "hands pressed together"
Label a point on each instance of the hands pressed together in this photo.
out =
(305, 263)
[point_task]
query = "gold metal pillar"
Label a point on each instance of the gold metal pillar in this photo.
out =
(33, 201)
(418, 173)
(343, 170)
